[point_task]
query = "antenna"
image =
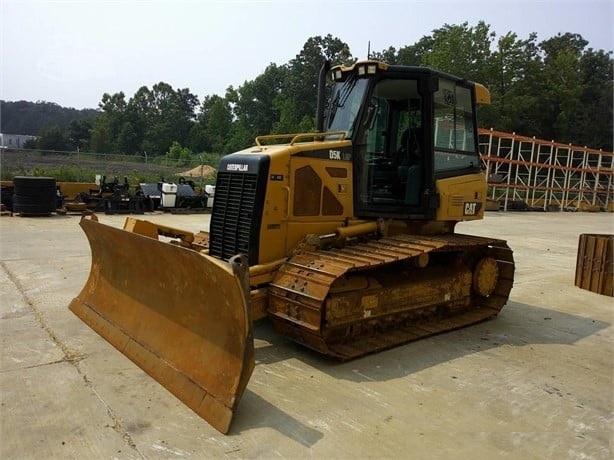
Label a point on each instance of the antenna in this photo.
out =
(369, 49)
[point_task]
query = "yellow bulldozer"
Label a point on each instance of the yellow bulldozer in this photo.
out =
(344, 238)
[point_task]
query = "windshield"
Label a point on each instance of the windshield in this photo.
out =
(346, 99)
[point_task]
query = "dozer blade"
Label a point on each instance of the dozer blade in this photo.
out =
(180, 315)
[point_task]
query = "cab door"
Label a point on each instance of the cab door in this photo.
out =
(391, 160)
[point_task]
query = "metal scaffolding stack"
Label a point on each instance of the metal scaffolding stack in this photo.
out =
(525, 172)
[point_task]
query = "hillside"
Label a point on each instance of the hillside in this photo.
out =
(23, 117)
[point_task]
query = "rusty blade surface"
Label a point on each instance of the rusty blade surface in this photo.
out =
(181, 316)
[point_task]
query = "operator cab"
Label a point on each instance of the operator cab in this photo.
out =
(409, 126)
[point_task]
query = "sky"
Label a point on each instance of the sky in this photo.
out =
(72, 52)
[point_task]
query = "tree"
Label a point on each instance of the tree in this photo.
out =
(515, 82)
(178, 155)
(594, 121)
(106, 128)
(168, 116)
(561, 97)
(100, 138)
(216, 122)
(79, 133)
(388, 55)
(150, 121)
(557, 89)
(297, 101)
(254, 101)
(129, 139)
(52, 139)
(412, 54)
(460, 50)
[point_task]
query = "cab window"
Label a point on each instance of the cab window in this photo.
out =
(453, 127)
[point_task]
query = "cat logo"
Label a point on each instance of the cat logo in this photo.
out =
(471, 209)
(237, 167)
(334, 154)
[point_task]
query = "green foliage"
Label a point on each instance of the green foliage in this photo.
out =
(211, 159)
(31, 144)
(79, 134)
(388, 55)
(178, 155)
(148, 122)
(65, 173)
(297, 98)
(99, 137)
(555, 89)
(461, 50)
(216, 123)
(22, 117)
(52, 139)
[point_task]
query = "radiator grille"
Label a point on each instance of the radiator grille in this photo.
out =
(232, 215)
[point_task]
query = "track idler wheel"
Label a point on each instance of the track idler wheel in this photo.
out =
(485, 276)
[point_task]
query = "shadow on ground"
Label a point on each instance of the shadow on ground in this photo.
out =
(518, 325)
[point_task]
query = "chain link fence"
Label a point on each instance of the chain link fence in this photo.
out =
(76, 166)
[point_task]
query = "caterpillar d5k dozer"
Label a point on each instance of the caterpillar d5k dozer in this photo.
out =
(344, 238)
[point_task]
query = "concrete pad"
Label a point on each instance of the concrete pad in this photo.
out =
(535, 382)
(25, 343)
(50, 411)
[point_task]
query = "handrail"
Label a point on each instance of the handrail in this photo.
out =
(300, 136)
